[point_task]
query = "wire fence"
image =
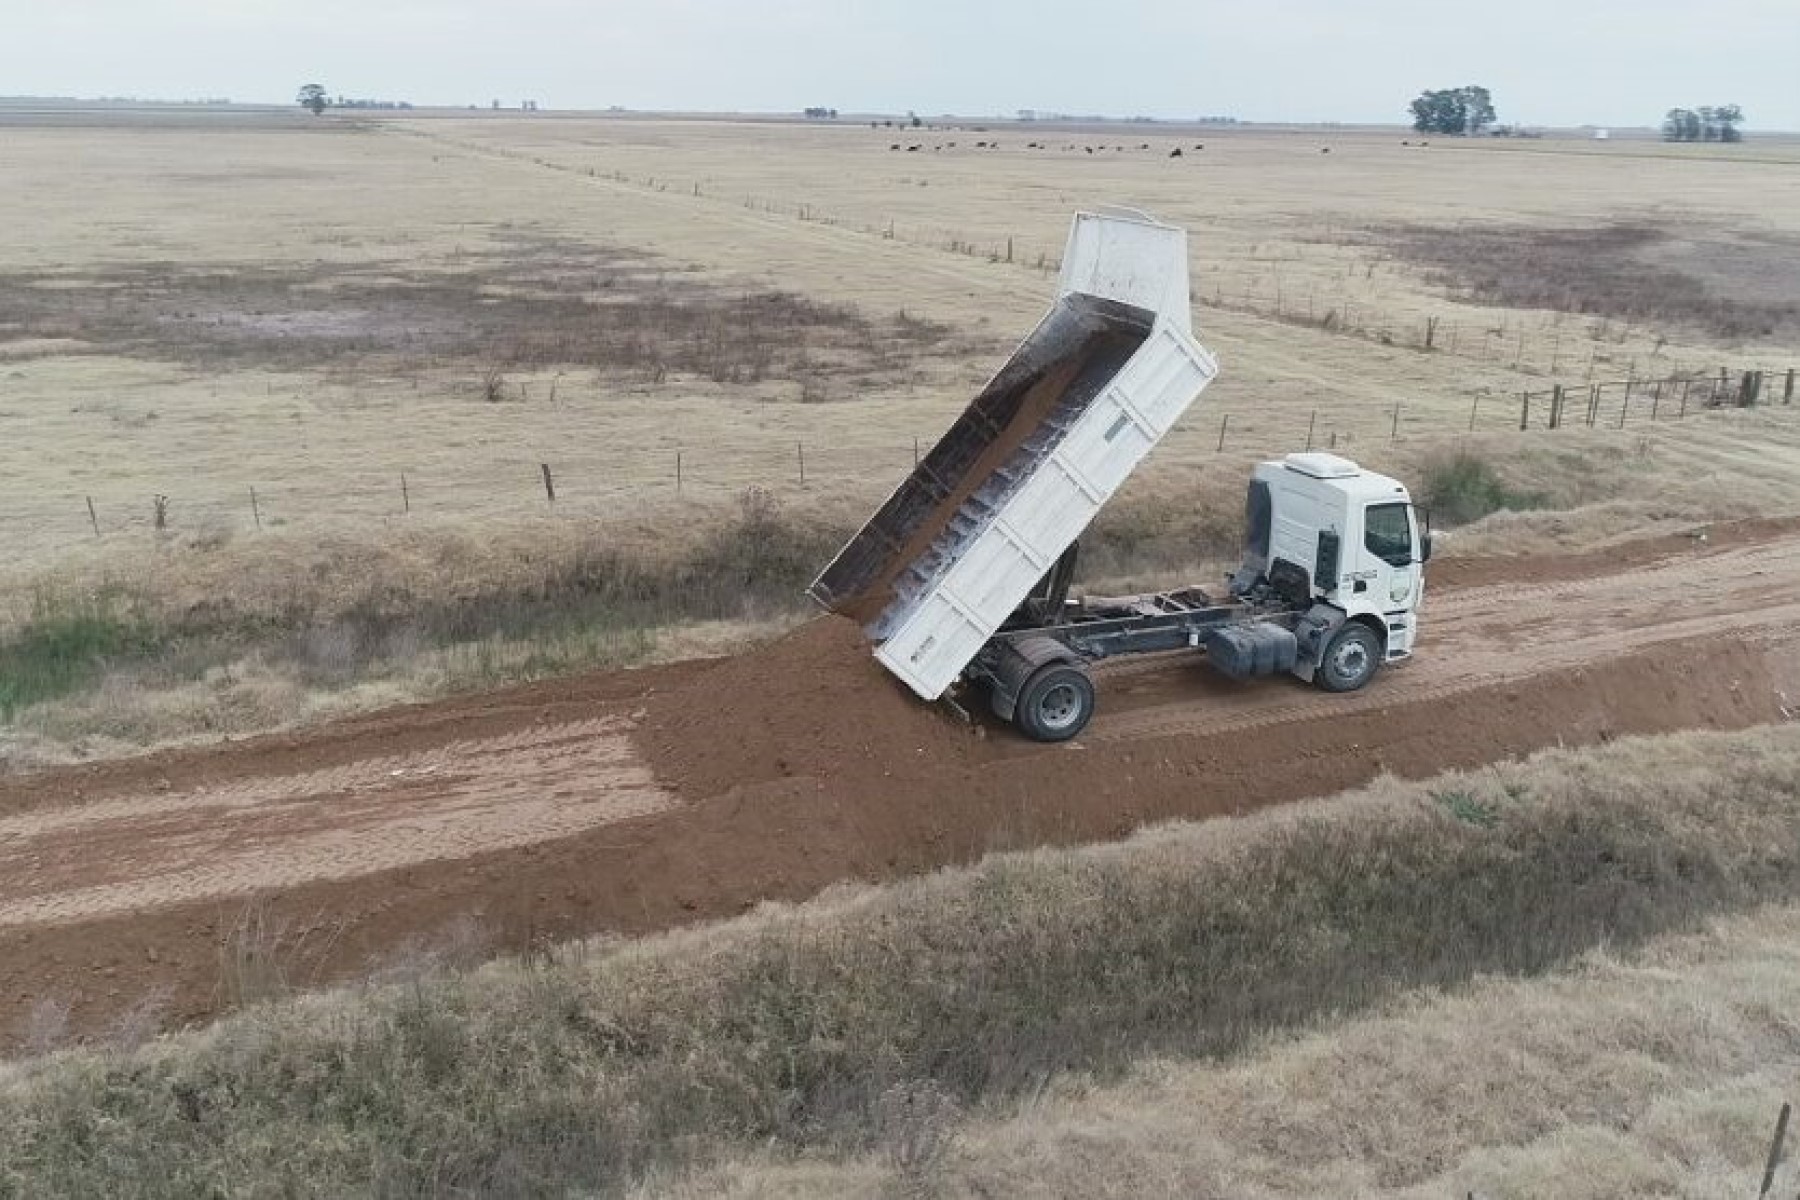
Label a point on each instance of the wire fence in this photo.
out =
(602, 480)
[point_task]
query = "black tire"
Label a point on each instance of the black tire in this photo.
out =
(1351, 659)
(1055, 704)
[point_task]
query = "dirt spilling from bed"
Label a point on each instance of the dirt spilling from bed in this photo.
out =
(814, 705)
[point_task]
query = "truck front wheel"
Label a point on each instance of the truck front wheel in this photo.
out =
(1055, 704)
(1351, 659)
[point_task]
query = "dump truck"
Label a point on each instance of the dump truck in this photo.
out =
(963, 578)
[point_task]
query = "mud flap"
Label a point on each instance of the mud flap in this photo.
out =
(1313, 634)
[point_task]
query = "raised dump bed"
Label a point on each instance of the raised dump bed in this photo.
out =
(1033, 458)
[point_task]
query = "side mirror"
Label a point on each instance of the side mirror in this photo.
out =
(1425, 546)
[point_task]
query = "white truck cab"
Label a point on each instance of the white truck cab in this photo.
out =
(1321, 528)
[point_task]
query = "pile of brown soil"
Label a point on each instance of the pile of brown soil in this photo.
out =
(814, 704)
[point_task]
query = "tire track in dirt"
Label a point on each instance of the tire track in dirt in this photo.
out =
(131, 853)
(635, 801)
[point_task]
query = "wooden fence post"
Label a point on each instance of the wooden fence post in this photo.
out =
(1594, 403)
(1750, 389)
(255, 511)
(915, 454)
(1781, 1125)
(1687, 385)
(1556, 406)
(678, 472)
(1394, 433)
(549, 483)
(1787, 396)
(800, 455)
(1655, 399)
(93, 518)
(405, 495)
(1310, 427)
(1474, 407)
(1524, 411)
(1224, 423)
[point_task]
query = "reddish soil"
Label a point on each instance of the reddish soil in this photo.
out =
(814, 705)
(634, 801)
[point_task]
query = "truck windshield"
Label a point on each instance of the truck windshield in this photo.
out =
(1387, 534)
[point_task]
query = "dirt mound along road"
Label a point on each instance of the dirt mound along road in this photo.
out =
(633, 801)
(814, 704)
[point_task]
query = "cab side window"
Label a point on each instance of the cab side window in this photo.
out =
(1387, 534)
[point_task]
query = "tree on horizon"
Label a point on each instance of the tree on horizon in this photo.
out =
(1456, 112)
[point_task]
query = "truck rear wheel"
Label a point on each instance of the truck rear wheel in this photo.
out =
(1351, 659)
(1055, 704)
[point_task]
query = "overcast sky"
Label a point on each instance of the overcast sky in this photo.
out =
(1561, 62)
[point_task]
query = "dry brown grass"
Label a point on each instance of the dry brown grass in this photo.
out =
(531, 304)
(929, 1032)
(1623, 270)
(218, 641)
(1652, 1071)
(731, 210)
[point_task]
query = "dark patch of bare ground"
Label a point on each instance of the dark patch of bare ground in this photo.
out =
(1732, 285)
(535, 304)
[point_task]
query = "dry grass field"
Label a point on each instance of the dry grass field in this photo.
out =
(341, 352)
(313, 308)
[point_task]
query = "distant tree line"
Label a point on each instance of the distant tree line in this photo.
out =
(821, 114)
(1453, 112)
(314, 99)
(1703, 124)
(354, 102)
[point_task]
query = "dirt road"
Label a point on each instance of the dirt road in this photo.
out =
(177, 884)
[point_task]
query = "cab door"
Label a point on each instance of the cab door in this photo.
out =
(1391, 568)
